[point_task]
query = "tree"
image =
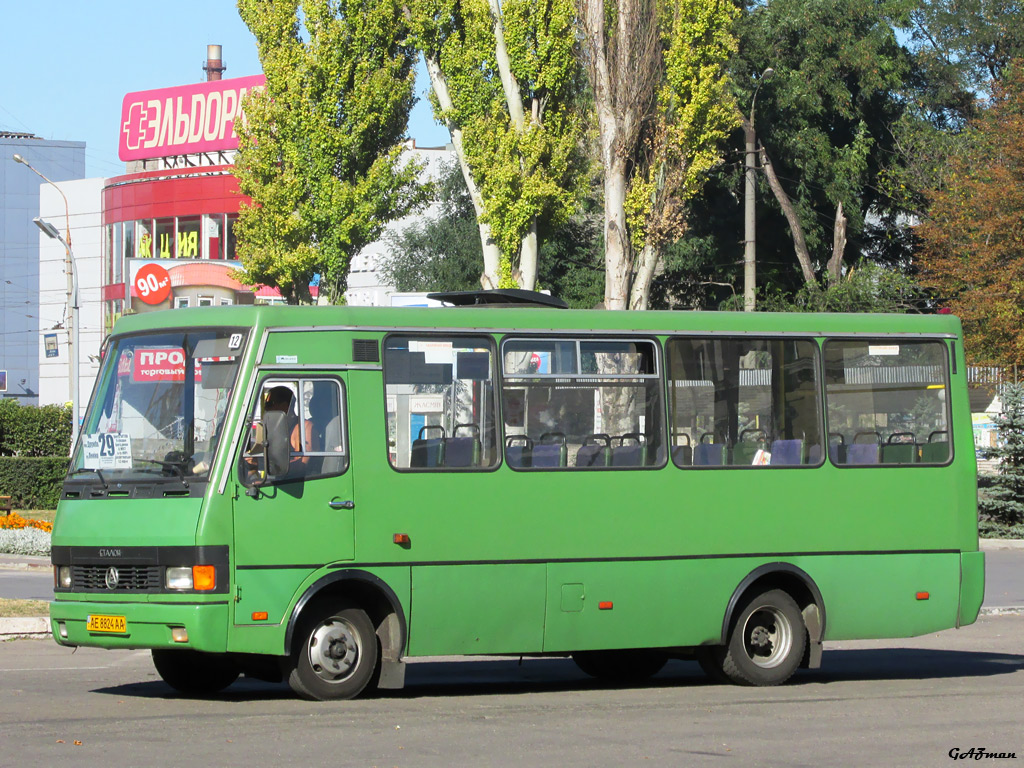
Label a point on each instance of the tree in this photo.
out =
(973, 245)
(505, 81)
(656, 70)
(823, 123)
(320, 155)
(443, 253)
(1003, 500)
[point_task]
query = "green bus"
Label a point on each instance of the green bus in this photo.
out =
(314, 494)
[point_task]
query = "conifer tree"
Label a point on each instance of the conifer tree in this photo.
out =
(1004, 500)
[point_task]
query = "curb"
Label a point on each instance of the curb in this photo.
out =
(991, 544)
(30, 627)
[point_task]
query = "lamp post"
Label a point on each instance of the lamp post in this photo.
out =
(750, 186)
(73, 348)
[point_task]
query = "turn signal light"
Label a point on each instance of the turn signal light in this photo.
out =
(204, 577)
(259, 615)
(923, 595)
(605, 605)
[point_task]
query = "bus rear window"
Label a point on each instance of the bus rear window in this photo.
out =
(887, 402)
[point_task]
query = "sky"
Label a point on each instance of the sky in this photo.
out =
(68, 64)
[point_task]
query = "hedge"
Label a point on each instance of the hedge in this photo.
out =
(29, 430)
(32, 483)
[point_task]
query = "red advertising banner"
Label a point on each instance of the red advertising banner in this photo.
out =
(185, 119)
(161, 365)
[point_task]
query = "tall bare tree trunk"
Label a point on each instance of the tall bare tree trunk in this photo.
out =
(492, 254)
(835, 264)
(640, 295)
(527, 274)
(797, 231)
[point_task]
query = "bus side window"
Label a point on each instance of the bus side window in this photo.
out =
(297, 432)
(886, 401)
(582, 403)
(744, 402)
(441, 402)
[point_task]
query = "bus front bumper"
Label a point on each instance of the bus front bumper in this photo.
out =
(201, 627)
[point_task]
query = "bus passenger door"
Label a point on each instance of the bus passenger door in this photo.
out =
(293, 500)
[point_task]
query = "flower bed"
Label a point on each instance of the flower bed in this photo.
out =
(16, 521)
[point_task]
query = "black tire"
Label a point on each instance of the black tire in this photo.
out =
(335, 654)
(710, 659)
(766, 642)
(193, 672)
(629, 666)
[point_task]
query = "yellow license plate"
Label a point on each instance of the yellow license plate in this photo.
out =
(106, 624)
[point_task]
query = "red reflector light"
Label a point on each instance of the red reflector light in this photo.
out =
(259, 615)
(922, 595)
(402, 539)
(604, 605)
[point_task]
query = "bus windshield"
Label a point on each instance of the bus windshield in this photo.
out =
(159, 407)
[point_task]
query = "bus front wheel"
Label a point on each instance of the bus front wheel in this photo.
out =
(193, 672)
(767, 641)
(335, 654)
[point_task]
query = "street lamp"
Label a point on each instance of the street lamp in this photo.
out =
(51, 231)
(750, 174)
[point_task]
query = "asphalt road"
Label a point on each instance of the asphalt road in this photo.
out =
(875, 703)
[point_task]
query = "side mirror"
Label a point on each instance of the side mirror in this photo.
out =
(278, 446)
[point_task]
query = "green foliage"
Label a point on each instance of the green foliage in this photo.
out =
(525, 172)
(866, 287)
(443, 253)
(32, 483)
(1003, 500)
(320, 155)
(29, 430)
(695, 113)
(825, 118)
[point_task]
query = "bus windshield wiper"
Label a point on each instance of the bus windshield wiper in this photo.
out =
(172, 465)
(90, 469)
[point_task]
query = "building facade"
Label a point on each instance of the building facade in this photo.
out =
(20, 239)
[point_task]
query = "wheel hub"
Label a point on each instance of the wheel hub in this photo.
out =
(333, 650)
(768, 637)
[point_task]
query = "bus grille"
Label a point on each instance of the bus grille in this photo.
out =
(130, 578)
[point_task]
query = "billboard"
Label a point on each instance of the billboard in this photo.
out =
(184, 119)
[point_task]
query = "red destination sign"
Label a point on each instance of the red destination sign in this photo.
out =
(184, 119)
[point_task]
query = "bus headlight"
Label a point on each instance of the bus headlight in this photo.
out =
(178, 578)
(63, 576)
(201, 578)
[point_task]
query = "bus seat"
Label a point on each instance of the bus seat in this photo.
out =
(708, 454)
(786, 453)
(682, 455)
(518, 451)
(551, 451)
(862, 453)
(633, 454)
(595, 451)
(936, 451)
(837, 447)
(332, 465)
(744, 452)
(428, 452)
(900, 448)
(463, 451)
(814, 454)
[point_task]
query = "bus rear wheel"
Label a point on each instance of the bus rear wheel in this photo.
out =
(193, 672)
(767, 641)
(335, 654)
(620, 666)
